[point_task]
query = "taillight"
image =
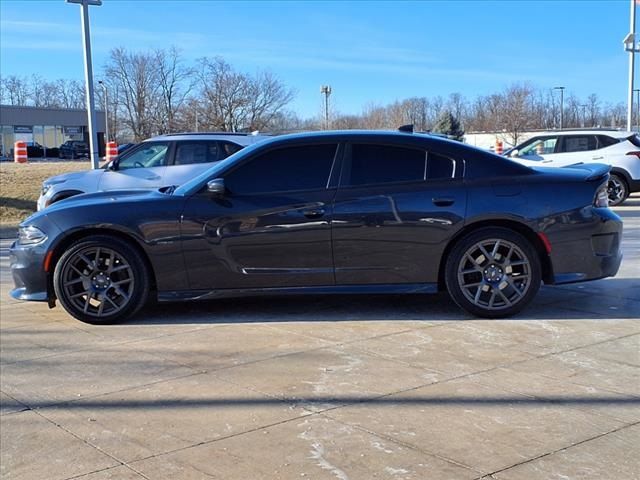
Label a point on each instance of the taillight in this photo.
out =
(636, 154)
(602, 197)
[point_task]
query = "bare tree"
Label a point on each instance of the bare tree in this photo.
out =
(134, 76)
(175, 82)
(515, 115)
(233, 101)
(16, 90)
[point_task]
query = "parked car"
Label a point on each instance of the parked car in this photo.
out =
(35, 150)
(619, 149)
(334, 212)
(73, 149)
(158, 161)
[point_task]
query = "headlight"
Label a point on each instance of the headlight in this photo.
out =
(30, 235)
(46, 186)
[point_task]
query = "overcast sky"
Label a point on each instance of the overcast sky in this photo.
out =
(369, 52)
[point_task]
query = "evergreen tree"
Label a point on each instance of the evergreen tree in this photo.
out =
(448, 125)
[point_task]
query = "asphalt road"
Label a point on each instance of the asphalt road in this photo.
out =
(396, 387)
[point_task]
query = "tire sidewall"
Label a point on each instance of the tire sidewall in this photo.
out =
(130, 254)
(466, 242)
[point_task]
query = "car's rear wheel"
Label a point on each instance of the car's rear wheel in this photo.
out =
(493, 272)
(617, 189)
(101, 279)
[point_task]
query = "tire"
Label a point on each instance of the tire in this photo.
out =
(617, 189)
(108, 291)
(498, 284)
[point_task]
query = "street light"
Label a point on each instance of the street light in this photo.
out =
(584, 115)
(561, 105)
(88, 78)
(326, 91)
(106, 112)
(637, 90)
(630, 46)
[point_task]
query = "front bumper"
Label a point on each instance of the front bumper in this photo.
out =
(27, 269)
(589, 249)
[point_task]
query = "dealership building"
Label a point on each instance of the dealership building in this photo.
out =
(48, 127)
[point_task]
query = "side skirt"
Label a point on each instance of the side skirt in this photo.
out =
(175, 296)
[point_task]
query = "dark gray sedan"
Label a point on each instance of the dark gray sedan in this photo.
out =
(333, 212)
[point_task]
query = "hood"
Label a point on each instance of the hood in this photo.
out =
(82, 175)
(112, 197)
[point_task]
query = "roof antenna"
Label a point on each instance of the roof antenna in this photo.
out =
(406, 128)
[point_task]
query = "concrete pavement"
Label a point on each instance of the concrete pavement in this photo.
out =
(391, 387)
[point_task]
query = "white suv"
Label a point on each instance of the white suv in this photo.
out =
(619, 149)
(156, 162)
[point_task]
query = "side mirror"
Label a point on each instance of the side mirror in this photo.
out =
(115, 164)
(216, 187)
(514, 153)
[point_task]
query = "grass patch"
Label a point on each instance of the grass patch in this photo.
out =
(20, 186)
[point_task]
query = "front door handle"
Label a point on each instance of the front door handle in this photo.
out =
(313, 212)
(598, 158)
(443, 201)
(152, 177)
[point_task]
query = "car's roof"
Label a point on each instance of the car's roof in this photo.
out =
(204, 136)
(593, 131)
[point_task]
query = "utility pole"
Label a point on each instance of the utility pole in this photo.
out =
(631, 47)
(637, 90)
(88, 78)
(561, 105)
(106, 112)
(584, 115)
(326, 91)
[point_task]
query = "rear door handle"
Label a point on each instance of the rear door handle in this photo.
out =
(443, 201)
(313, 212)
(152, 177)
(598, 158)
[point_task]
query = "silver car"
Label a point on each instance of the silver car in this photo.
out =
(156, 162)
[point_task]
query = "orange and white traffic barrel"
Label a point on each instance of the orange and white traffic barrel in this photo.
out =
(112, 151)
(20, 152)
(498, 147)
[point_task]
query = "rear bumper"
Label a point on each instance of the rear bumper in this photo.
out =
(634, 186)
(590, 248)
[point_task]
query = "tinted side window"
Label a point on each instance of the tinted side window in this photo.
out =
(147, 156)
(439, 167)
(378, 164)
(228, 148)
(189, 153)
(286, 169)
(606, 141)
(581, 143)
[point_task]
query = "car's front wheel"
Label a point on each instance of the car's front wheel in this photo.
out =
(101, 279)
(617, 189)
(493, 272)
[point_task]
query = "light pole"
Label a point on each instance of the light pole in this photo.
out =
(106, 112)
(584, 115)
(88, 78)
(631, 47)
(561, 105)
(637, 90)
(326, 91)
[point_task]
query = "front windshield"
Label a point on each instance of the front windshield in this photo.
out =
(196, 183)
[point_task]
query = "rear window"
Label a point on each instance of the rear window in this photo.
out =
(635, 140)
(606, 141)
